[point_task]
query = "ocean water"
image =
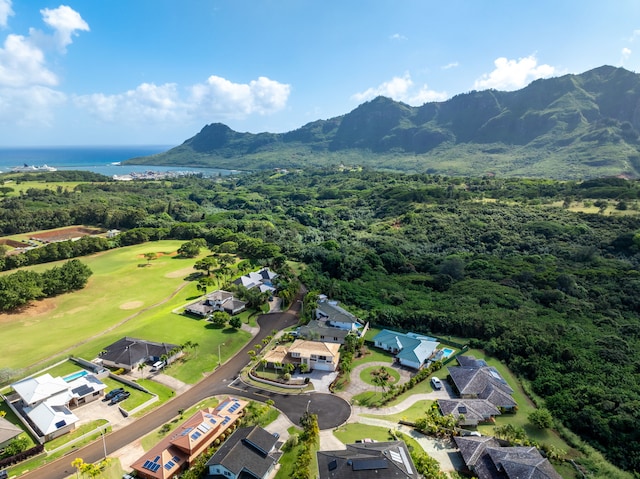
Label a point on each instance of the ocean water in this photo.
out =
(99, 159)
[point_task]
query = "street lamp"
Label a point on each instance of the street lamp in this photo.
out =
(104, 443)
(219, 355)
(308, 402)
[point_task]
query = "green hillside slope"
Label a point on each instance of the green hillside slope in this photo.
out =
(570, 127)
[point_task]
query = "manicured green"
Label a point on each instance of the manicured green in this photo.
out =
(410, 414)
(366, 375)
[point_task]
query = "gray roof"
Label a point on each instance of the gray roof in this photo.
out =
(482, 382)
(382, 460)
(318, 328)
(473, 410)
(247, 449)
(132, 351)
(487, 460)
(8, 430)
(333, 312)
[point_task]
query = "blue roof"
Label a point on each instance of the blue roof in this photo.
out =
(413, 348)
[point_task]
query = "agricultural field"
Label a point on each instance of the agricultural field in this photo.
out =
(125, 296)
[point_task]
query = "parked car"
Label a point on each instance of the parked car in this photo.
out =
(157, 366)
(113, 393)
(436, 383)
(120, 397)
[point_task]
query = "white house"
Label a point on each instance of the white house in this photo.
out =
(52, 420)
(410, 349)
(316, 355)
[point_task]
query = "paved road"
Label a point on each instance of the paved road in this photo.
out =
(330, 409)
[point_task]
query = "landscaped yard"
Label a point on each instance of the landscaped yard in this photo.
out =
(368, 375)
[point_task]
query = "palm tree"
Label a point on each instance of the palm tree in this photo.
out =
(141, 369)
(164, 358)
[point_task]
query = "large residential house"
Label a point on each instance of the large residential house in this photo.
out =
(128, 353)
(410, 349)
(217, 301)
(261, 279)
(366, 460)
(469, 412)
(486, 459)
(46, 401)
(249, 453)
(316, 355)
(474, 379)
(176, 452)
(332, 324)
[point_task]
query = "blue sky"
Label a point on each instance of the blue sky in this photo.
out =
(125, 72)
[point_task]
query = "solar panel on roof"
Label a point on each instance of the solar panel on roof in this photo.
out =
(82, 390)
(204, 427)
(147, 465)
(369, 464)
(156, 459)
(212, 421)
(196, 435)
(60, 424)
(333, 465)
(175, 459)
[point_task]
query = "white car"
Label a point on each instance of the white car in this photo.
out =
(436, 383)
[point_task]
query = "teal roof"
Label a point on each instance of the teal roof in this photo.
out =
(413, 348)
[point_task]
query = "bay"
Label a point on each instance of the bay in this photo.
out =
(98, 159)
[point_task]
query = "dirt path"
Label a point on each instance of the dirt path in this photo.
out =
(114, 326)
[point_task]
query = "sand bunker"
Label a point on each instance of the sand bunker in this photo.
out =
(131, 305)
(181, 273)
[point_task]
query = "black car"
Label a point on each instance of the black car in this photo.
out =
(120, 397)
(113, 393)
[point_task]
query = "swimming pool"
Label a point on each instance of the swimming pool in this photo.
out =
(446, 352)
(77, 375)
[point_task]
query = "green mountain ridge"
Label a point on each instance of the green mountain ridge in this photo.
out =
(568, 127)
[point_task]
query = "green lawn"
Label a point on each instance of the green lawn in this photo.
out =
(288, 459)
(352, 432)
(84, 322)
(410, 414)
(373, 355)
(367, 375)
(77, 432)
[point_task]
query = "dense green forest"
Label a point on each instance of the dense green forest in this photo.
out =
(508, 263)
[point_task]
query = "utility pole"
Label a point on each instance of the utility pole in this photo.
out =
(104, 443)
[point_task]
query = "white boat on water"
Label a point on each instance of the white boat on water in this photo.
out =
(32, 169)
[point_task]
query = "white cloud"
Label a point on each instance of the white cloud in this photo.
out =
(5, 12)
(26, 83)
(216, 99)
(625, 53)
(513, 74)
(238, 100)
(23, 65)
(65, 23)
(148, 103)
(29, 106)
(398, 37)
(401, 89)
(451, 65)
(634, 35)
